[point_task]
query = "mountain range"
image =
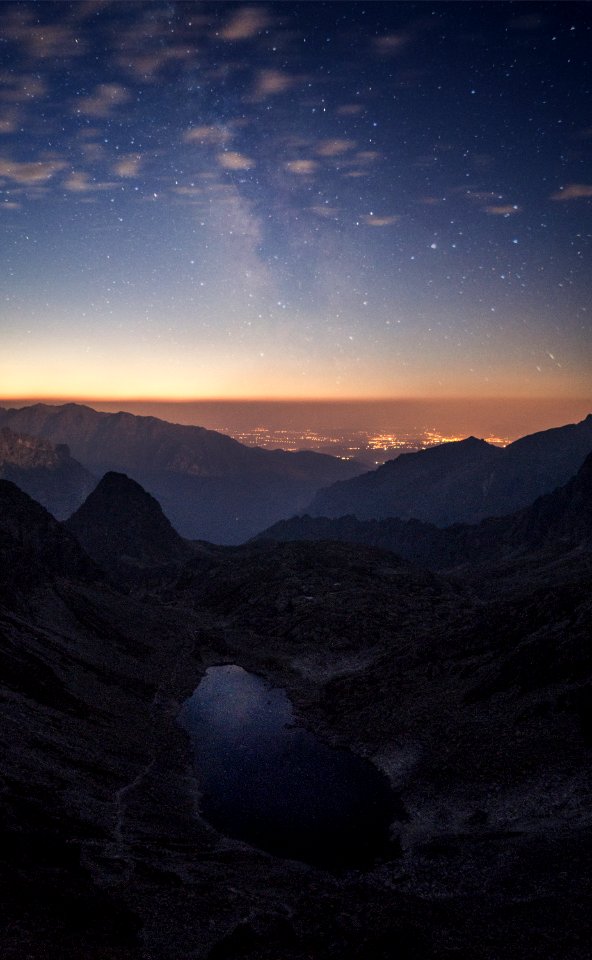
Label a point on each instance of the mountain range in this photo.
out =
(559, 521)
(471, 691)
(461, 482)
(211, 486)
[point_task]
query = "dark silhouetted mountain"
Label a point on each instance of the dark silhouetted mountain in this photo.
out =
(559, 521)
(124, 529)
(461, 482)
(46, 472)
(210, 486)
(432, 485)
(34, 547)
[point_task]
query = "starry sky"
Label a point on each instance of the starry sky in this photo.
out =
(295, 199)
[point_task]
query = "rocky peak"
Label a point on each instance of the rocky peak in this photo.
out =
(122, 527)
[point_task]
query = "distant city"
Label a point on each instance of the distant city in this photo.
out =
(370, 447)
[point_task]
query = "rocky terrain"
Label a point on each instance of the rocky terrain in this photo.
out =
(210, 486)
(45, 471)
(461, 482)
(473, 695)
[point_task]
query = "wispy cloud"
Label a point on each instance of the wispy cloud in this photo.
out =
(208, 134)
(103, 101)
(325, 211)
(232, 160)
(372, 220)
(335, 147)
(349, 109)
(573, 191)
(8, 122)
(40, 41)
(147, 65)
(503, 210)
(390, 44)
(128, 165)
(20, 87)
(80, 182)
(244, 23)
(36, 172)
(271, 82)
(301, 167)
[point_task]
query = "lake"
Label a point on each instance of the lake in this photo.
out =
(277, 786)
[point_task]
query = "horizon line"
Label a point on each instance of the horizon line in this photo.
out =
(61, 399)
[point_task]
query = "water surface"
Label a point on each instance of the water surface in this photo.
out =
(276, 785)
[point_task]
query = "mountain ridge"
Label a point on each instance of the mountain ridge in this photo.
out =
(561, 519)
(461, 482)
(211, 486)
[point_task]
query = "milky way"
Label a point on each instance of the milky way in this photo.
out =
(295, 199)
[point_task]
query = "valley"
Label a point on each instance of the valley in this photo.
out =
(464, 676)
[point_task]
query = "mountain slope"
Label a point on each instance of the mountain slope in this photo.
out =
(210, 486)
(461, 482)
(45, 471)
(559, 521)
(123, 528)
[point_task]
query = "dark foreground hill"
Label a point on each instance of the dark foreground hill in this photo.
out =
(124, 529)
(477, 706)
(45, 471)
(461, 482)
(557, 522)
(210, 486)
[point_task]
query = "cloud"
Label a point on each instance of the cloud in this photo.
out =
(503, 210)
(246, 22)
(212, 134)
(41, 41)
(147, 64)
(232, 160)
(349, 109)
(39, 171)
(334, 148)
(78, 182)
(128, 165)
(325, 211)
(271, 82)
(371, 220)
(301, 167)
(390, 44)
(8, 123)
(20, 88)
(573, 191)
(106, 97)
(93, 151)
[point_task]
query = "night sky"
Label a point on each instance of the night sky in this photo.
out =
(295, 199)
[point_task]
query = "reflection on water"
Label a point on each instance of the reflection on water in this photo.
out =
(278, 786)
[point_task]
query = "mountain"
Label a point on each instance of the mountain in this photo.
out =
(34, 547)
(558, 521)
(209, 485)
(461, 482)
(45, 471)
(124, 529)
(473, 696)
